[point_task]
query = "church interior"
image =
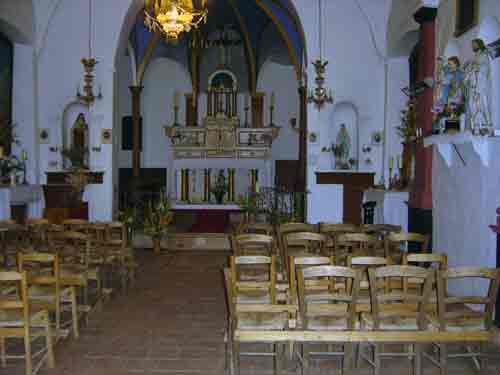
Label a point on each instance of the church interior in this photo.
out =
(249, 187)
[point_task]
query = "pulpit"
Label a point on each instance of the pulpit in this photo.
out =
(354, 184)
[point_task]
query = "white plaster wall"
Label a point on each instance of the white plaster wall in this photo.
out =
(281, 80)
(464, 202)
(355, 47)
(23, 114)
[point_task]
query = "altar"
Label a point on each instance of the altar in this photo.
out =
(207, 218)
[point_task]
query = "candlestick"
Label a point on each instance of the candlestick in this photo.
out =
(176, 98)
(1, 152)
(247, 100)
(391, 162)
(273, 99)
(24, 155)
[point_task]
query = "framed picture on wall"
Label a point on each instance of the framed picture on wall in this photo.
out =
(106, 136)
(43, 136)
(467, 16)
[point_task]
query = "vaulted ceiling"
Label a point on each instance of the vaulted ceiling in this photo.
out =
(250, 18)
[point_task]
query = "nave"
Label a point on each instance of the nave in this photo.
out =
(173, 322)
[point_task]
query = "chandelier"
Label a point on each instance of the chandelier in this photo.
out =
(172, 17)
(320, 95)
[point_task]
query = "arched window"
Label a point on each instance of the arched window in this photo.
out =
(6, 68)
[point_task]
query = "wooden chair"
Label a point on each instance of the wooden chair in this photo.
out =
(254, 317)
(380, 229)
(37, 233)
(302, 244)
(45, 291)
(253, 244)
(465, 313)
(364, 263)
(297, 263)
(248, 289)
(395, 310)
(76, 225)
(18, 321)
(398, 243)
(333, 230)
(287, 228)
(354, 244)
(434, 260)
(332, 310)
(256, 228)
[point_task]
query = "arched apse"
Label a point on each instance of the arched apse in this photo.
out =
(345, 113)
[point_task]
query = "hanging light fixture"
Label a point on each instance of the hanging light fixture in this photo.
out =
(89, 64)
(320, 95)
(172, 17)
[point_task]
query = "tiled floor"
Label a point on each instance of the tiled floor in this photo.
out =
(173, 323)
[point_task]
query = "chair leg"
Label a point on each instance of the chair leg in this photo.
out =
(443, 359)
(27, 351)
(236, 357)
(2, 351)
(418, 359)
(483, 358)
(376, 359)
(74, 311)
(277, 359)
(51, 363)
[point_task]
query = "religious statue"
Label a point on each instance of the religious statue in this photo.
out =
(79, 133)
(342, 149)
(479, 88)
(449, 95)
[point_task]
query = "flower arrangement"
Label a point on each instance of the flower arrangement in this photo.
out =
(7, 134)
(220, 188)
(408, 128)
(157, 217)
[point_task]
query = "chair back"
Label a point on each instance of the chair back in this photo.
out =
(472, 309)
(389, 304)
(301, 262)
(253, 244)
(364, 263)
(354, 244)
(41, 268)
(18, 301)
(334, 303)
(397, 242)
(264, 286)
(77, 225)
(257, 228)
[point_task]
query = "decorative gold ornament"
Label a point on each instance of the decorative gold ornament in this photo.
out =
(172, 17)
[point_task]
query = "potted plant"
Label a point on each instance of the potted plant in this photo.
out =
(8, 166)
(157, 218)
(220, 188)
(129, 218)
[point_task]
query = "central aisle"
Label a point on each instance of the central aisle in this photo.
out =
(172, 322)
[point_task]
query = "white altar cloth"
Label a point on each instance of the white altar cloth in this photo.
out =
(391, 208)
(31, 195)
(214, 207)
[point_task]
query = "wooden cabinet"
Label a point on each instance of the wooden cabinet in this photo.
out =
(354, 184)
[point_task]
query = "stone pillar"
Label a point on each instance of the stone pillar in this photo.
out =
(136, 123)
(258, 110)
(421, 195)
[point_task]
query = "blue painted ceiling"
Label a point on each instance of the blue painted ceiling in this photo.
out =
(257, 15)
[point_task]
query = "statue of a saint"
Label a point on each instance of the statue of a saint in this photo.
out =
(343, 148)
(79, 133)
(449, 95)
(479, 87)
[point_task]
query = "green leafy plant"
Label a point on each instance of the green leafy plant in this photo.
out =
(7, 134)
(157, 217)
(408, 128)
(9, 165)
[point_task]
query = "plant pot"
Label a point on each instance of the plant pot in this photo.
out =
(157, 245)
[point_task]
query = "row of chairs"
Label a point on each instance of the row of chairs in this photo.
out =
(363, 289)
(59, 274)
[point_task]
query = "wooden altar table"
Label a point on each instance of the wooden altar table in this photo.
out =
(209, 218)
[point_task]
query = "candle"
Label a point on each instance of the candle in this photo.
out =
(273, 99)
(1, 152)
(24, 155)
(391, 162)
(176, 98)
(400, 164)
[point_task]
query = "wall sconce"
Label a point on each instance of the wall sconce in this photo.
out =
(96, 149)
(54, 149)
(366, 149)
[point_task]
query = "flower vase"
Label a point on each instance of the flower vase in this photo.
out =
(157, 245)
